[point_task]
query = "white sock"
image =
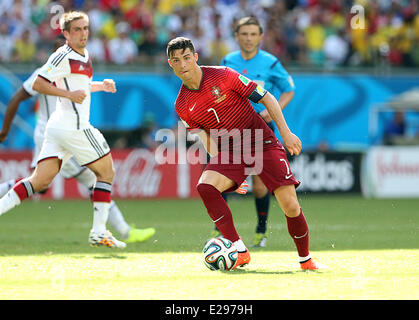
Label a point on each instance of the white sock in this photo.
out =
(9, 201)
(239, 244)
(304, 259)
(100, 216)
(117, 221)
(6, 186)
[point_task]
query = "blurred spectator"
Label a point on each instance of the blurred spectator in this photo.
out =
(218, 48)
(316, 32)
(6, 43)
(25, 49)
(139, 16)
(315, 35)
(98, 48)
(150, 48)
(96, 16)
(394, 129)
(122, 49)
(335, 49)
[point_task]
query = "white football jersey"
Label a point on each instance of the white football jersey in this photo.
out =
(71, 71)
(46, 104)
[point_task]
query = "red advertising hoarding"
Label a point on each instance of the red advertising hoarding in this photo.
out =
(137, 176)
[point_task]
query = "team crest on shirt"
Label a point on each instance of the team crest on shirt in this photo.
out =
(216, 92)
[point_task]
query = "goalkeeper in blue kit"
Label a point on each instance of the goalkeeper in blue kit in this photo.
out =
(265, 69)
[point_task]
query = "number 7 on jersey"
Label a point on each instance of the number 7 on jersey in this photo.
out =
(215, 113)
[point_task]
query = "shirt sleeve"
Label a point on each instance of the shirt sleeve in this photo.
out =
(240, 84)
(281, 79)
(27, 84)
(56, 67)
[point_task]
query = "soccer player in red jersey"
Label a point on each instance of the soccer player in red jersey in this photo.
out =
(213, 102)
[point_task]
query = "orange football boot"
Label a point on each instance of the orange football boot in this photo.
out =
(312, 265)
(243, 258)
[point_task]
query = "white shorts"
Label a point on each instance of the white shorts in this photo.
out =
(87, 145)
(38, 138)
(69, 169)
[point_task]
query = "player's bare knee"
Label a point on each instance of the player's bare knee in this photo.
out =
(106, 175)
(259, 190)
(40, 183)
(291, 207)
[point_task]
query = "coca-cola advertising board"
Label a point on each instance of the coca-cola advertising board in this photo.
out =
(137, 176)
(391, 171)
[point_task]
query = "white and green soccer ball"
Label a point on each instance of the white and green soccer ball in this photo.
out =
(220, 254)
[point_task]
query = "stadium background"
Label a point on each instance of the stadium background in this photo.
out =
(349, 75)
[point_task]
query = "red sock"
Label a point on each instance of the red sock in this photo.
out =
(102, 192)
(101, 196)
(218, 210)
(23, 189)
(298, 230)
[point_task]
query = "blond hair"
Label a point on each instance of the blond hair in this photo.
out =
(67, 18)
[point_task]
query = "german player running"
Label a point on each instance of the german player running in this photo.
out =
(267, 71)
(70, 169)
(68, 75)
(213, 102)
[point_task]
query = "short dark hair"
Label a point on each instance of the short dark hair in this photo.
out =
(179, 43)
(246, 21)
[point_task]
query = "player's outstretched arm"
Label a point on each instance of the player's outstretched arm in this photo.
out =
(284, 99)
(107, 85)
(45, 87)
(12, 106)
(291, 141)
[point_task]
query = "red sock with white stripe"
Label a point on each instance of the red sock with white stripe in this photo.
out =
(298, 230)
(20, 191)
(6, 186)
(101, 198)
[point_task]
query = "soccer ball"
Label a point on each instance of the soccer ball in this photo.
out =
(219, 254)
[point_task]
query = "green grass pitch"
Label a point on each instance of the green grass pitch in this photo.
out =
(370, 246)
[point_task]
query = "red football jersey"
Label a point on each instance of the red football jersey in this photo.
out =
(221, 102)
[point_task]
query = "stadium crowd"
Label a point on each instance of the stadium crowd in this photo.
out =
(299, 32)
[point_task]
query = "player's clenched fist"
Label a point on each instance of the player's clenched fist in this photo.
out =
(77, 96)
(109, 85)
